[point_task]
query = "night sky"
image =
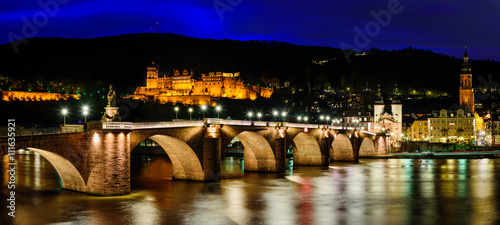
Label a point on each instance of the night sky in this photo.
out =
(443, 26)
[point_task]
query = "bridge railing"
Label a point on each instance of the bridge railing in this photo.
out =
(42, 130)
(152, 125)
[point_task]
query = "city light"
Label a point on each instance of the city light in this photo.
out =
(176, 111)
(64, 112)
(250, 114)
(190, 112)
(85, 112)
(203, 108)
(218, 108)
(305, 119)
(259, 115)
(299, 118)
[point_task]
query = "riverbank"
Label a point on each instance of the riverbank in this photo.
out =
(464, 155)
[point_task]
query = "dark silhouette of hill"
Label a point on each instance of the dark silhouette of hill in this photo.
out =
(121, 60)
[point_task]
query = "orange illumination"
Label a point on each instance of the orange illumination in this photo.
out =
(35, 96)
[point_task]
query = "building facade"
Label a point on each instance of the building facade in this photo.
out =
(355, 119)
(452, 127)
(419, 130)
(185, 88)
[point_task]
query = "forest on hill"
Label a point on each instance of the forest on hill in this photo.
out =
(122, 60)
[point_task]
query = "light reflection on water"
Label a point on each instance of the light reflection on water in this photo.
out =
(394, 191)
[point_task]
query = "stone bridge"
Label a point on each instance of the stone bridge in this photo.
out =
(97, 161)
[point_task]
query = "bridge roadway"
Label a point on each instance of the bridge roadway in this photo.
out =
(97, 161)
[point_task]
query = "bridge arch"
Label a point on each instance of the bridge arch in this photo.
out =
(70, 177)
(342, 149)
(306, 150)
(258, 154)
(185, 162)
(367, 147)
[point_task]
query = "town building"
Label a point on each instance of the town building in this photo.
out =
(355, 119)
(419, 129)
(186, 89)
(448, 126)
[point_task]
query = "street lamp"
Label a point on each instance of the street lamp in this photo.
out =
(64, 112)
(190, 112)
(217, 108)
(275, 114)
(250, 114)
(299, 118)
(85, 112)
(203, 108)
(321, 118)
(283, 114)
(259, 115)
(327, 120)
(176, 111)
(305, 119)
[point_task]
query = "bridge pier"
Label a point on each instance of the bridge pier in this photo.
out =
(108, 160)
(211, 153)
(280, 154)
(324, 146)
(382, 144)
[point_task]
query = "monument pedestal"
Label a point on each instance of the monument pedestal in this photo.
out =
(111, 114)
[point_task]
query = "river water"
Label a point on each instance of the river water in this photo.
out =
(373, 191)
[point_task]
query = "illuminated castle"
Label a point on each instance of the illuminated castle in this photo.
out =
(184, 88)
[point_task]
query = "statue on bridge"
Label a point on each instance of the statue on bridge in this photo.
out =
(111, 111)
(111, 96)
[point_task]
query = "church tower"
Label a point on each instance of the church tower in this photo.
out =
(466, 92)
(152, 76)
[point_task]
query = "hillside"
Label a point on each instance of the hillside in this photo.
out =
(121, 60)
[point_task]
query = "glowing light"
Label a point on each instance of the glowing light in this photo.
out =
(96, 137)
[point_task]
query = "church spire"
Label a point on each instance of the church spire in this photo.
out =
(465, 66)
(466, 56)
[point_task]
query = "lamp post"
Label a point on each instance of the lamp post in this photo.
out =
(305, 119)
(327, 120)
(190, 112)
(283, 114)
(299, 118)
(64, 112)
(176, 111)
(217, 108)
(275, 114)
(250, 114)
(85, 112)
(321, 118)
(203, 108)
(259, 115)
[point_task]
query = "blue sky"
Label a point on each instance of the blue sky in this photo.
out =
(442, 26)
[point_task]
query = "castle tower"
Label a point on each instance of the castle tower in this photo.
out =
(466, 92)
(378, 107)
(152, 76)
(397, 109)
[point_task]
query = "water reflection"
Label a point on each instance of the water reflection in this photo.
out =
(378, 191)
